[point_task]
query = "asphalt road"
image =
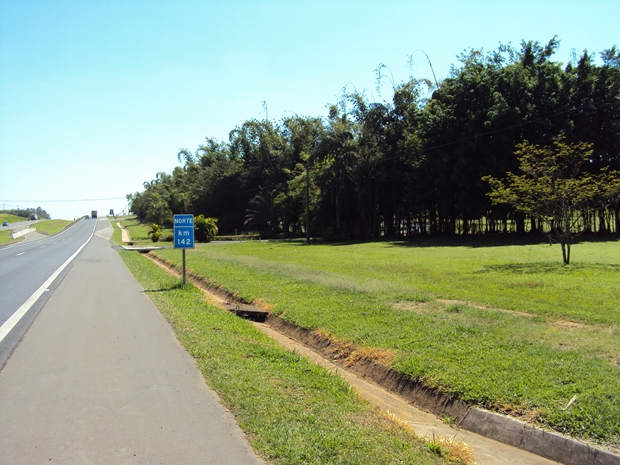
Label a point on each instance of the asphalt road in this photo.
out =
(99, 378)
(25, 270)
(19, 225)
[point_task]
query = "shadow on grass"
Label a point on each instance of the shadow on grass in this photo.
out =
(548, 268)
(174, 287)
(478, 241)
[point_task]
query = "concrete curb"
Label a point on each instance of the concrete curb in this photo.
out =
(547, 444)
(502, 428)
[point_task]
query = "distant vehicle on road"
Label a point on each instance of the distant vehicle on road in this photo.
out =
(33, 217)
(86, 217)
(6, 223)
(93, 214)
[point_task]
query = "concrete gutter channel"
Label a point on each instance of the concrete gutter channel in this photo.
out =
(492, 425)
(507, 430)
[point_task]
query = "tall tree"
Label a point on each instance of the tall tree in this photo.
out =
(554, 189)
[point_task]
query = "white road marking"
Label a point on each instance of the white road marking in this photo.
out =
(9, 324)
(21, 253)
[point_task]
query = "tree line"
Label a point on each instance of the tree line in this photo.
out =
(27, 212)
(413, 165)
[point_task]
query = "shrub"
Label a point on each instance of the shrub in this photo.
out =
(155, 232)
(205, 228)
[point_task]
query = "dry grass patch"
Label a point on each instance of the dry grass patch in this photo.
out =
(453, 449)
(415, 307)
(262, 304)
(350, 354)
(482, 307)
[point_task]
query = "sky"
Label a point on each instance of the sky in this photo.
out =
(98, 96)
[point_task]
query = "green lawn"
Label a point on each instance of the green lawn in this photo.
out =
(535, 333)
(51, 227)
(47, 227)
(5, 235)
(292, 411)
(11, 218)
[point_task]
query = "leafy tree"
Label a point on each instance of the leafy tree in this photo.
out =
(138, 204)
(296, 204)
(214, 183)
(205, 228)
(158, 210)
(412, 165)
(260, 213)
(336, 151)
(555, 189)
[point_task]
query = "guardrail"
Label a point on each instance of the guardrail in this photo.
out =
(22, 232)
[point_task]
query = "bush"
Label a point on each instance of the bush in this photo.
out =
(155, 232)
(205, 228)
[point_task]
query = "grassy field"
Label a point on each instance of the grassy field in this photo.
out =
(11, 218)
(47, 227)
(503, 327)
(51, 227)
(292, 411)
(5, 238)
(5, 235)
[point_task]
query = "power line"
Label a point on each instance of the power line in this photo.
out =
(65, 200)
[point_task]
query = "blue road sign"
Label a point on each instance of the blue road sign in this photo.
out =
(183, 231)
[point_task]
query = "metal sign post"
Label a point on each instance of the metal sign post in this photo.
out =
(183, 235)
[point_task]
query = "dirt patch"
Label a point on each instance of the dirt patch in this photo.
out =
(570, 324)
(126, 237)
(561, 322)
(415, 307)
(482, 307)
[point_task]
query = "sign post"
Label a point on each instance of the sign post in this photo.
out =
(183, 235)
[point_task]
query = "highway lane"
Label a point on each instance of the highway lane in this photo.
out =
(19, 225)
(24, 268)
(100, 378)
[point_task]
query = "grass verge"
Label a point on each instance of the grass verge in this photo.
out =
(534, 334)
(11, 218)
(6, 238)
(51, 227)
(292, 411)
(47, 227)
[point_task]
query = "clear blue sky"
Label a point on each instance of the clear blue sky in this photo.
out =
(96, 96)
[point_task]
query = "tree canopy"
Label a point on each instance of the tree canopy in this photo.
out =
(555, 189)
(411, 165)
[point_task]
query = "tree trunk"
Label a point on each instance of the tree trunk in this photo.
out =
(520, 222)
(602, 228)
(338, 224)
(565, 251)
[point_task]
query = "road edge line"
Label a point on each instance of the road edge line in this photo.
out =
(12, 321)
